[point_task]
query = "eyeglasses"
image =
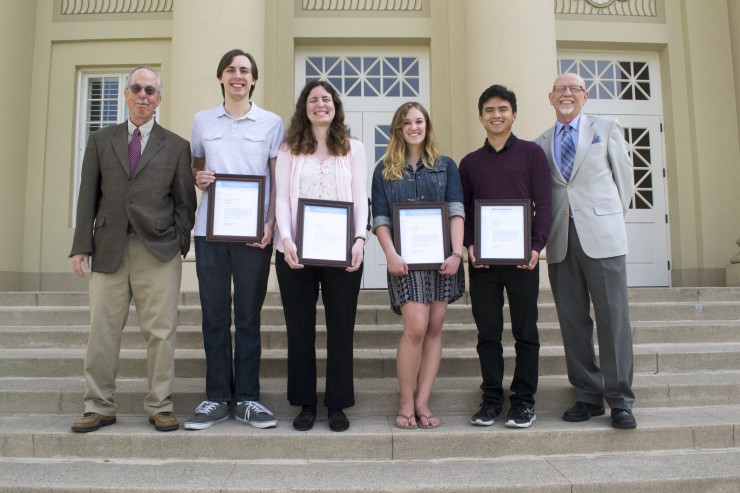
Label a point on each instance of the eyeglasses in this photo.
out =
(149, 90)
(573, 89)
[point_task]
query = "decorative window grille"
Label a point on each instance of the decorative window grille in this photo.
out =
(638, 146)
(611, 79)
(367, 76)
(382, 138)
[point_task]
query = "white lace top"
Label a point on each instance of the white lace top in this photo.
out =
(318, 179)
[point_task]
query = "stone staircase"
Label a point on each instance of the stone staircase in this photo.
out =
(687, 382)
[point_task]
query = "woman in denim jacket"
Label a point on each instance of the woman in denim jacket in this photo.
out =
(413, 171)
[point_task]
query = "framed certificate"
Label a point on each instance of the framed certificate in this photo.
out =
(324, 233)
(421, 233)
(236, 207)
(503, 232)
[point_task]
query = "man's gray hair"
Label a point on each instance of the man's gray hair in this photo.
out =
(146, 67)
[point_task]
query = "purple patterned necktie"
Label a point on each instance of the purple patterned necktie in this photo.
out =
(134, 152)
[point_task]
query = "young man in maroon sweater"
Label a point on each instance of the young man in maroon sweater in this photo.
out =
(506, 168)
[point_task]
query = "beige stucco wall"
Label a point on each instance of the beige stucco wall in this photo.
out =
(702, 141)
(17, 23)
(697, 45)
(60, 50)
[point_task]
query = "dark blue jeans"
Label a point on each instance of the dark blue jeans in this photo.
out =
(487, 299)
(218, 264)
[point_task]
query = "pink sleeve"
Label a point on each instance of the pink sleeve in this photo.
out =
(359, 187)
(283, 214)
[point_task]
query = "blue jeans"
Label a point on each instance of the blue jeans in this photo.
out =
(217, 264)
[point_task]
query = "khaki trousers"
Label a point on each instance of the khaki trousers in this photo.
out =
(155, 289)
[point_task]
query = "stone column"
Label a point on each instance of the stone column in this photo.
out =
(732, 271)
(711, 29)
(17, 30)
(201, 33)
(511, 43)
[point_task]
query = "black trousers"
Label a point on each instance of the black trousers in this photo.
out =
(487, 299)
(299, 290)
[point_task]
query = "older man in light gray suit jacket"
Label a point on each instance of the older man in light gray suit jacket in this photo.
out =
(592, 185)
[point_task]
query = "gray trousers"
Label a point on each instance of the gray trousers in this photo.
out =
(574, 280)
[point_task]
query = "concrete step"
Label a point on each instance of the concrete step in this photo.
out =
(681, 471)
(374, 396)
(373, 363)
(384, 336)
(376, 314)
(380, 296)
(373, 438)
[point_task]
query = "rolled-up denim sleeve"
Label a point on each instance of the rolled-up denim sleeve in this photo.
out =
(381, 208)
(454, 192)
(455, 209)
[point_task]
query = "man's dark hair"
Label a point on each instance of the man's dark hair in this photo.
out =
(497, 91)
(226, 61)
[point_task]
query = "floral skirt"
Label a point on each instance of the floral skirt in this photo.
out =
(425, 286)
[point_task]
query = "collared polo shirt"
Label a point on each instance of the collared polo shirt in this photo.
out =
(241, 146)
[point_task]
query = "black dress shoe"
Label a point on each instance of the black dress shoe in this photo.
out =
(337, 420)
(623, 419)
(582, 411)
(304, 421)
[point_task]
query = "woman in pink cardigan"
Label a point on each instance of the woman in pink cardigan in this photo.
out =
(318, 160)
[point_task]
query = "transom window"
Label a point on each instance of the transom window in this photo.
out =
(611, 79)
(367, 76)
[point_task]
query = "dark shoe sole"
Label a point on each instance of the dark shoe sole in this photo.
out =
(629, 426)
(106, 422)
(586, 417)
(341, 426)
(174, 427)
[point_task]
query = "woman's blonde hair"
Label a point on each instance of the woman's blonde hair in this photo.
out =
(394, 160)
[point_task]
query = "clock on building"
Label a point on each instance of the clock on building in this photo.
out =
(600, 3)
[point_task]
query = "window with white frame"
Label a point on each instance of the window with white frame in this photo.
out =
(100, 103)
(367, 76)
(611, 79)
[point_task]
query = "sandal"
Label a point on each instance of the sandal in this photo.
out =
(429, 419)
(408, 419)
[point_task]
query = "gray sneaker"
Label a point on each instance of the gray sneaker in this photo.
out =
(208, 414)
(255, 414)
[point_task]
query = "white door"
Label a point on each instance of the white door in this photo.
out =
(627, 87)
(372, 128)
(647, 230)
(372, 84)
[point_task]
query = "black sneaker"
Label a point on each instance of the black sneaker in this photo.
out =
(521, 415)
(486, 415)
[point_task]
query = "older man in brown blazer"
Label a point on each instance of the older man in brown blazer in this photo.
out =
(135, 211)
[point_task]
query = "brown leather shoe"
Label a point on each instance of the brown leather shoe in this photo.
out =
(91, 422)
(164, 421)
